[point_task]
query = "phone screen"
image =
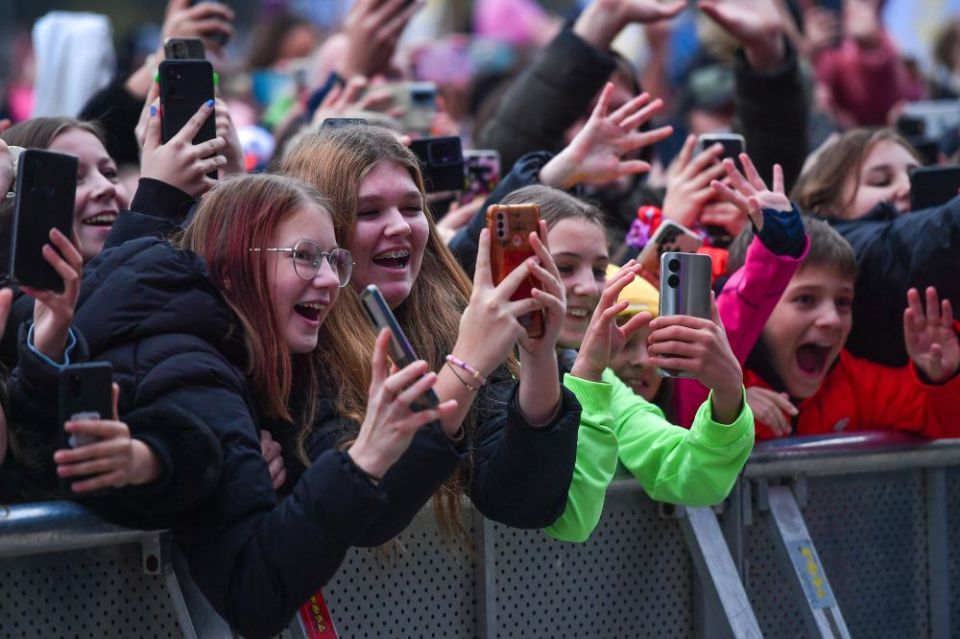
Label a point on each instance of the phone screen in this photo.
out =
(401, 352)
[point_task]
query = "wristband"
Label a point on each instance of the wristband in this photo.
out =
(455, 362)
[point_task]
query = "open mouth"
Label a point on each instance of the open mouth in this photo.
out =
(103, 219)
(393, 259)
(310, 311)
(578, 313)
(812, 358)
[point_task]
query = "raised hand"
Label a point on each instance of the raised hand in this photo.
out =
(772, 408)
(114, 459)
(373, 28)
(688, 182)
(930, 338)
(699, 347)
(595, 155)
(490, 326)
(604, 339)
(233, 150)
(390, 424)
(212, 21)
(757, 24)
(53, 311)
(272, 454)
(602, 20)
(551, 294)
(750, 194)
(180, 162)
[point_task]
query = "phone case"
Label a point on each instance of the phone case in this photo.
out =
(669, 236)
(184, 49)
(685, 281)
(185, 85)
(401, 352)
(510, 228)
(46, 190)
(441, 163)
(481, 172)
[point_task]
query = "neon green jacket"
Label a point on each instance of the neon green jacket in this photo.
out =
(695, 467)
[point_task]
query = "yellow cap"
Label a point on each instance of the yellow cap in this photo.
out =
(641, 294)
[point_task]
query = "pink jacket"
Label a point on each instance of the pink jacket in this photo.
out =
(745, 303)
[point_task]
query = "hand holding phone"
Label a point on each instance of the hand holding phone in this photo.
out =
(510, 228)
(401, 352)
(685, 280)
(46, 190)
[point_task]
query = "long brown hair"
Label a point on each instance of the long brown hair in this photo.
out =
(819, 191)
(235, 216)
(336, 161)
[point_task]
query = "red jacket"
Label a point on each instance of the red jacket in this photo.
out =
(860, 395)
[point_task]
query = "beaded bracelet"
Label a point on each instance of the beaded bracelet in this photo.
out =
(455, 362)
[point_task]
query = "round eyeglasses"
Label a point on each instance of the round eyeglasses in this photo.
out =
(308, 257)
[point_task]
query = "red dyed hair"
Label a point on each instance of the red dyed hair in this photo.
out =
(236, 216)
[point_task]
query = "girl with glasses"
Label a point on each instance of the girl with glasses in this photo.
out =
(223, 326)
(510, 444)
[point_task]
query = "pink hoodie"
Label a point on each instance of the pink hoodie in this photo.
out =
(745, 304)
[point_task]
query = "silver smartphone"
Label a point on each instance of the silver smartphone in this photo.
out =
(685, 280)
(401, 352)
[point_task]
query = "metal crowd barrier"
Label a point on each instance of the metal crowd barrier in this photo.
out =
(824, 537)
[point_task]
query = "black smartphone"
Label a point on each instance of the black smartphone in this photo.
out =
(441, 162)
(46, 190)
(86, 392)
(184, 49)
(185, 85)
(685, 280)
(932, 186)
(400, 350)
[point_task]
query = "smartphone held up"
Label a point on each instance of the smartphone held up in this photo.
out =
(685, 280)
(510, 228)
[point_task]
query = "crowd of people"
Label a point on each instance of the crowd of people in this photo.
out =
(258, 414)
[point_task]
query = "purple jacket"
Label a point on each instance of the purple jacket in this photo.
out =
(745, 304)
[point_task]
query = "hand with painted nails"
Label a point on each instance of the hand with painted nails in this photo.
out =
(390, 423)
(930, 337)
(180, 162)
(53, 311)
(114, 459)
(595, 155)
(604, 339)
(773, 409)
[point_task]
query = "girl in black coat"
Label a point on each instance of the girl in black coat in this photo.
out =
(223, 328)
(514, 441)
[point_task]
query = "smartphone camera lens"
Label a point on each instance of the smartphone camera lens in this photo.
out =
(673, 281)
(673, 265)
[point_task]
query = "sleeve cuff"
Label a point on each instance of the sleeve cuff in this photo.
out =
(713, 433)
(71, 342)
(594, 397)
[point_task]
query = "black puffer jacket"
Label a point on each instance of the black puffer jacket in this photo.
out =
(896, 252)
(151, 311)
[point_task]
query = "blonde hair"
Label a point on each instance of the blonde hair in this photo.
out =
(336, 161)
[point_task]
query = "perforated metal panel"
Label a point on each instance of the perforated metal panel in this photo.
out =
(631, 579)
(870, 533)
(953, 546)
(98, 593)
(422, 587)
